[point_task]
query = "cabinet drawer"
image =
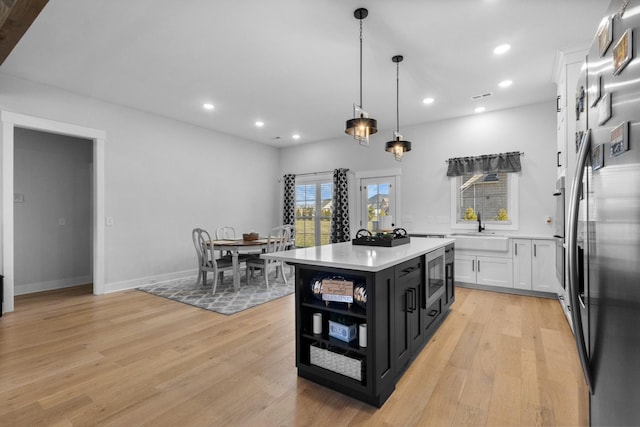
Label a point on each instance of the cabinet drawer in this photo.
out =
(410, 269)
(433, 312)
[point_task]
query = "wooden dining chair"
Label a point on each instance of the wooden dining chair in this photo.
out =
(278, 240)
(227, 232)
(292, 242)
(207, 261)
(292, 235)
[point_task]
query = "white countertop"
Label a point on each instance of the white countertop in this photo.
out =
(356, 257)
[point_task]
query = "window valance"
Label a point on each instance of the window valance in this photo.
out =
(488, 163)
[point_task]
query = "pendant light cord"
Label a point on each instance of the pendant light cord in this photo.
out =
(361, 109)
(397, 98)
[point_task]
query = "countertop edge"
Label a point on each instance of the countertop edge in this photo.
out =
(449, 235)
(376, 263)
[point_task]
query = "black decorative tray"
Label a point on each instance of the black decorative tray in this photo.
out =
(380, 241)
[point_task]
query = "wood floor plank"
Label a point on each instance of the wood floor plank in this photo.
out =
(70, 358)
(506, 403)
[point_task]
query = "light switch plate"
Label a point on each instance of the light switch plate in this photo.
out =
(109, 221)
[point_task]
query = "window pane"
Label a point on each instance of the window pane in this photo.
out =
(487, 194)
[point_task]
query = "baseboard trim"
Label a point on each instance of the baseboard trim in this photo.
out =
(30, 288)
(150, 280)
(507, 290)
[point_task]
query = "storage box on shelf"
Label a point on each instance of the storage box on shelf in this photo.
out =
(346, 333)
(348, 364)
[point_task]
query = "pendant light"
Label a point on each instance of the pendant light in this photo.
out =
(363, 126)
(398, 147)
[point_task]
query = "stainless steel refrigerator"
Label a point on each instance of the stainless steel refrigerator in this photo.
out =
(603, 240)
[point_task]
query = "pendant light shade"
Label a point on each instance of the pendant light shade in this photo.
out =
(362, 126)
(398, 146)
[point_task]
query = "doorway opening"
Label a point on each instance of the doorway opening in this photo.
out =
(11, 121)
(52, 211)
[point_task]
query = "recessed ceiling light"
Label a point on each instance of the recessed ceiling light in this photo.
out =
(295, 136)
(208, 106)
(501, 49)
(428, 101)
(505, 83)
(480, 110)
(259, 124)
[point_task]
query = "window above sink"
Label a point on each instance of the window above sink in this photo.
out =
(493, 195)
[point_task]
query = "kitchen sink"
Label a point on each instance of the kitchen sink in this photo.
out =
(485, 241)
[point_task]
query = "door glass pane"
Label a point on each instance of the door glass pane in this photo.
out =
(326, 210)
(379, 206)
(314, 207)
(305, 207)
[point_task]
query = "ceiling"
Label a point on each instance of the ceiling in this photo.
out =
(295, 64)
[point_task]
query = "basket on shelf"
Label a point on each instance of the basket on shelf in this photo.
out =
(340, 363)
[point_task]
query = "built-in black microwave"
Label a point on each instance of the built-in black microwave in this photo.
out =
(435, 280)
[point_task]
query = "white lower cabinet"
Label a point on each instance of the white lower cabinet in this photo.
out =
(484, 270)
(522, 264)
(534, 265)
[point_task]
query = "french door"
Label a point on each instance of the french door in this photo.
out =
(378, 211)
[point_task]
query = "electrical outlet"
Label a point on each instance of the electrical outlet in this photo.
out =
(18, 198)
(62, 221)
(109, 221)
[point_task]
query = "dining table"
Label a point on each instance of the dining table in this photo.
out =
(235, 247)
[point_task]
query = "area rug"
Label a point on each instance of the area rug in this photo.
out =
(226, 300)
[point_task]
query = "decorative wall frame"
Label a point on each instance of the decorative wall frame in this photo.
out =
(604, 109)
(622, 52)
(620, 139)
(579, 135)
(597, 157)
(605, 36)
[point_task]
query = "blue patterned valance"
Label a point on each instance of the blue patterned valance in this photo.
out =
(489, 163)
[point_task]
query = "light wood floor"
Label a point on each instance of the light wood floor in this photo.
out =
(130, 359)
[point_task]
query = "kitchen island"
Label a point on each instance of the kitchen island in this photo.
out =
(364, 312)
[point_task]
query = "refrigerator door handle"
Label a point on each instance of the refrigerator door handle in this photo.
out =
(572, 244)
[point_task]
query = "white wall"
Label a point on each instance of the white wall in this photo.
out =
(163, 178)
(425, 186)
(52, 223)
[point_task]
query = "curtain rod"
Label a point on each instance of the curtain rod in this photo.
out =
(316, 173)
(487, 155)
(313, 173)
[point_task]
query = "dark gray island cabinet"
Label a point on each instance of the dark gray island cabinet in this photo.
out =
(362, 348)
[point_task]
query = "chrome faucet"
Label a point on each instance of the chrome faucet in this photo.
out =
(480, 227)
